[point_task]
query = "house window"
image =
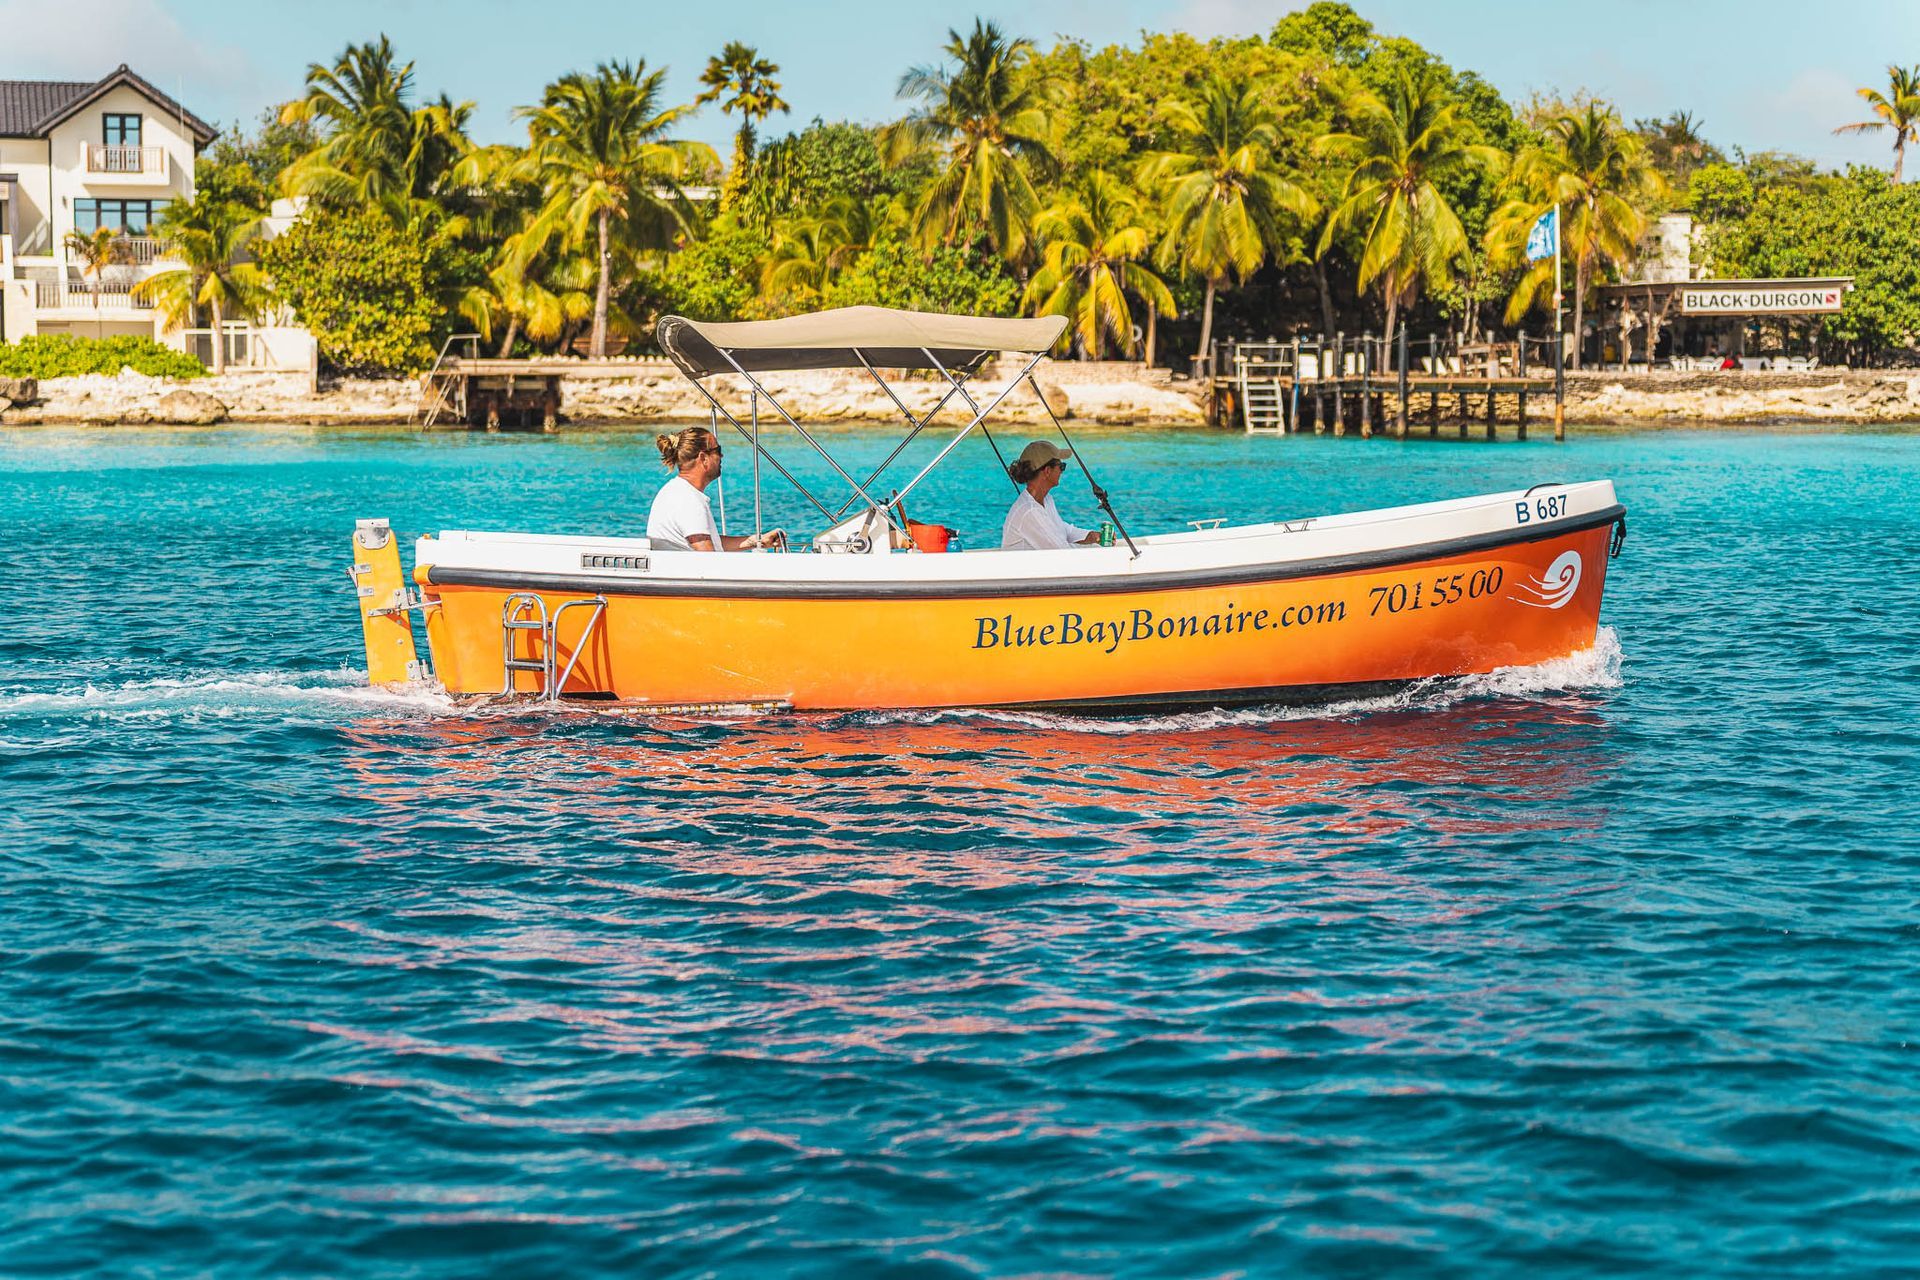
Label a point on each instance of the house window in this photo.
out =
(120, 130)
(129, 217)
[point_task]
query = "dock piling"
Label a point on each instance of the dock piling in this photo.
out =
(1559, 382)
(1366, 386)
(1339, 384)
(1521, 432)
(1400, 381)
(1293, 368)
(1270, 383)
(496, 393)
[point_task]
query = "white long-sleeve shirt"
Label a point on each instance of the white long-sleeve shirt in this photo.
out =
(1037, 526)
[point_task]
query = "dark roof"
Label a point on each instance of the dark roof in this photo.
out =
(31, 108)
(25, 103)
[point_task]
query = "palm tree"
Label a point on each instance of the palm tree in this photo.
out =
(810, 250)
(989, 119)
(376, 146)
(541, 299)
(97, 250)
(1093, 242)
(599, 147)
(1897, 109)
(1686, 146)
(1400, 149)
(1221, 196)
(741, 80)
(205, 236)
(1596, 172)
(498, 183)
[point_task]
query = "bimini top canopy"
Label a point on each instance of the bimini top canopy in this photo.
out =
(848, 337)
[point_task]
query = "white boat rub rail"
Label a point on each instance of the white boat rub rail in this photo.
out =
(1425, 529)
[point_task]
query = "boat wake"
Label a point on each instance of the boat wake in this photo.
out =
(1594, 668)
(327, 697)
(311, 696)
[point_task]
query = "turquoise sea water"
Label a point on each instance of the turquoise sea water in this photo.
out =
(1606, 968)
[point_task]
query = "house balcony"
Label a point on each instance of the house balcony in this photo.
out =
(141, 251)
(132, 166)
(88, 296)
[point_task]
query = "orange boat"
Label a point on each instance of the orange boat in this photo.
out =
(1295, 610)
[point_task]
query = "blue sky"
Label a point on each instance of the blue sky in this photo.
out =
(1760, 74)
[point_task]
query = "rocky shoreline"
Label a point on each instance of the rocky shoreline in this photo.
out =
(1846, 396)
(1102, 394)
(1105, 394)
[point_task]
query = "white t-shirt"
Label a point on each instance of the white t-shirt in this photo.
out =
(1036, 526)
(679, 512)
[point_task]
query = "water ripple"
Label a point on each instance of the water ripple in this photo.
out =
(1599, 967)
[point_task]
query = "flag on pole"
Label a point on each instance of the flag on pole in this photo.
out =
(1544, 240)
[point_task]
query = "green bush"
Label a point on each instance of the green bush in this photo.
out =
(715, 277)
(62, 355)
(804, 170)
(951, 280)
(363, 286)
(1854, 224)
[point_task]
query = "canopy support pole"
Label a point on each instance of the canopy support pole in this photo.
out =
(720, 411)
(978, 417)
(919, 424)
(972, 404)
(720, 483)
(804, 433)
(1099, 494)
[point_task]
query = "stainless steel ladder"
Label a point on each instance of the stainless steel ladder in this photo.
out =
(525, 612)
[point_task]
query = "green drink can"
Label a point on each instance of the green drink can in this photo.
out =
(1106, 533)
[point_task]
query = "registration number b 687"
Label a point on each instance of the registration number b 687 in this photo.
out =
(1548, 506)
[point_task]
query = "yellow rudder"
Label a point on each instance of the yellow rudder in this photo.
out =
(384, 621)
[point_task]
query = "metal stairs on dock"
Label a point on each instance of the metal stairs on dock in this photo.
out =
(1263, 406)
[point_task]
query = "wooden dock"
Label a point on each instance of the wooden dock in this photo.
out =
(475, 391)
(1335, 386)
(1358, 385)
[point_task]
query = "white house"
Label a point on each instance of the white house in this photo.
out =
(77, 156)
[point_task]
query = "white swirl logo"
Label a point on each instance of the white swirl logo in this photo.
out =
(1554, 588)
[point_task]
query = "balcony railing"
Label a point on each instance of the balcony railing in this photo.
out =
(116, 159)
(51, 295)
(141, 251)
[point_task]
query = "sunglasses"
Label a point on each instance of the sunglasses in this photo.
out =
(717, 451)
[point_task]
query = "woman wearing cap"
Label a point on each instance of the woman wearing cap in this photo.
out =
(682, 514)
(1033, 522)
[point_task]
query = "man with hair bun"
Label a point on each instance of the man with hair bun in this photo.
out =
(682, 514)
